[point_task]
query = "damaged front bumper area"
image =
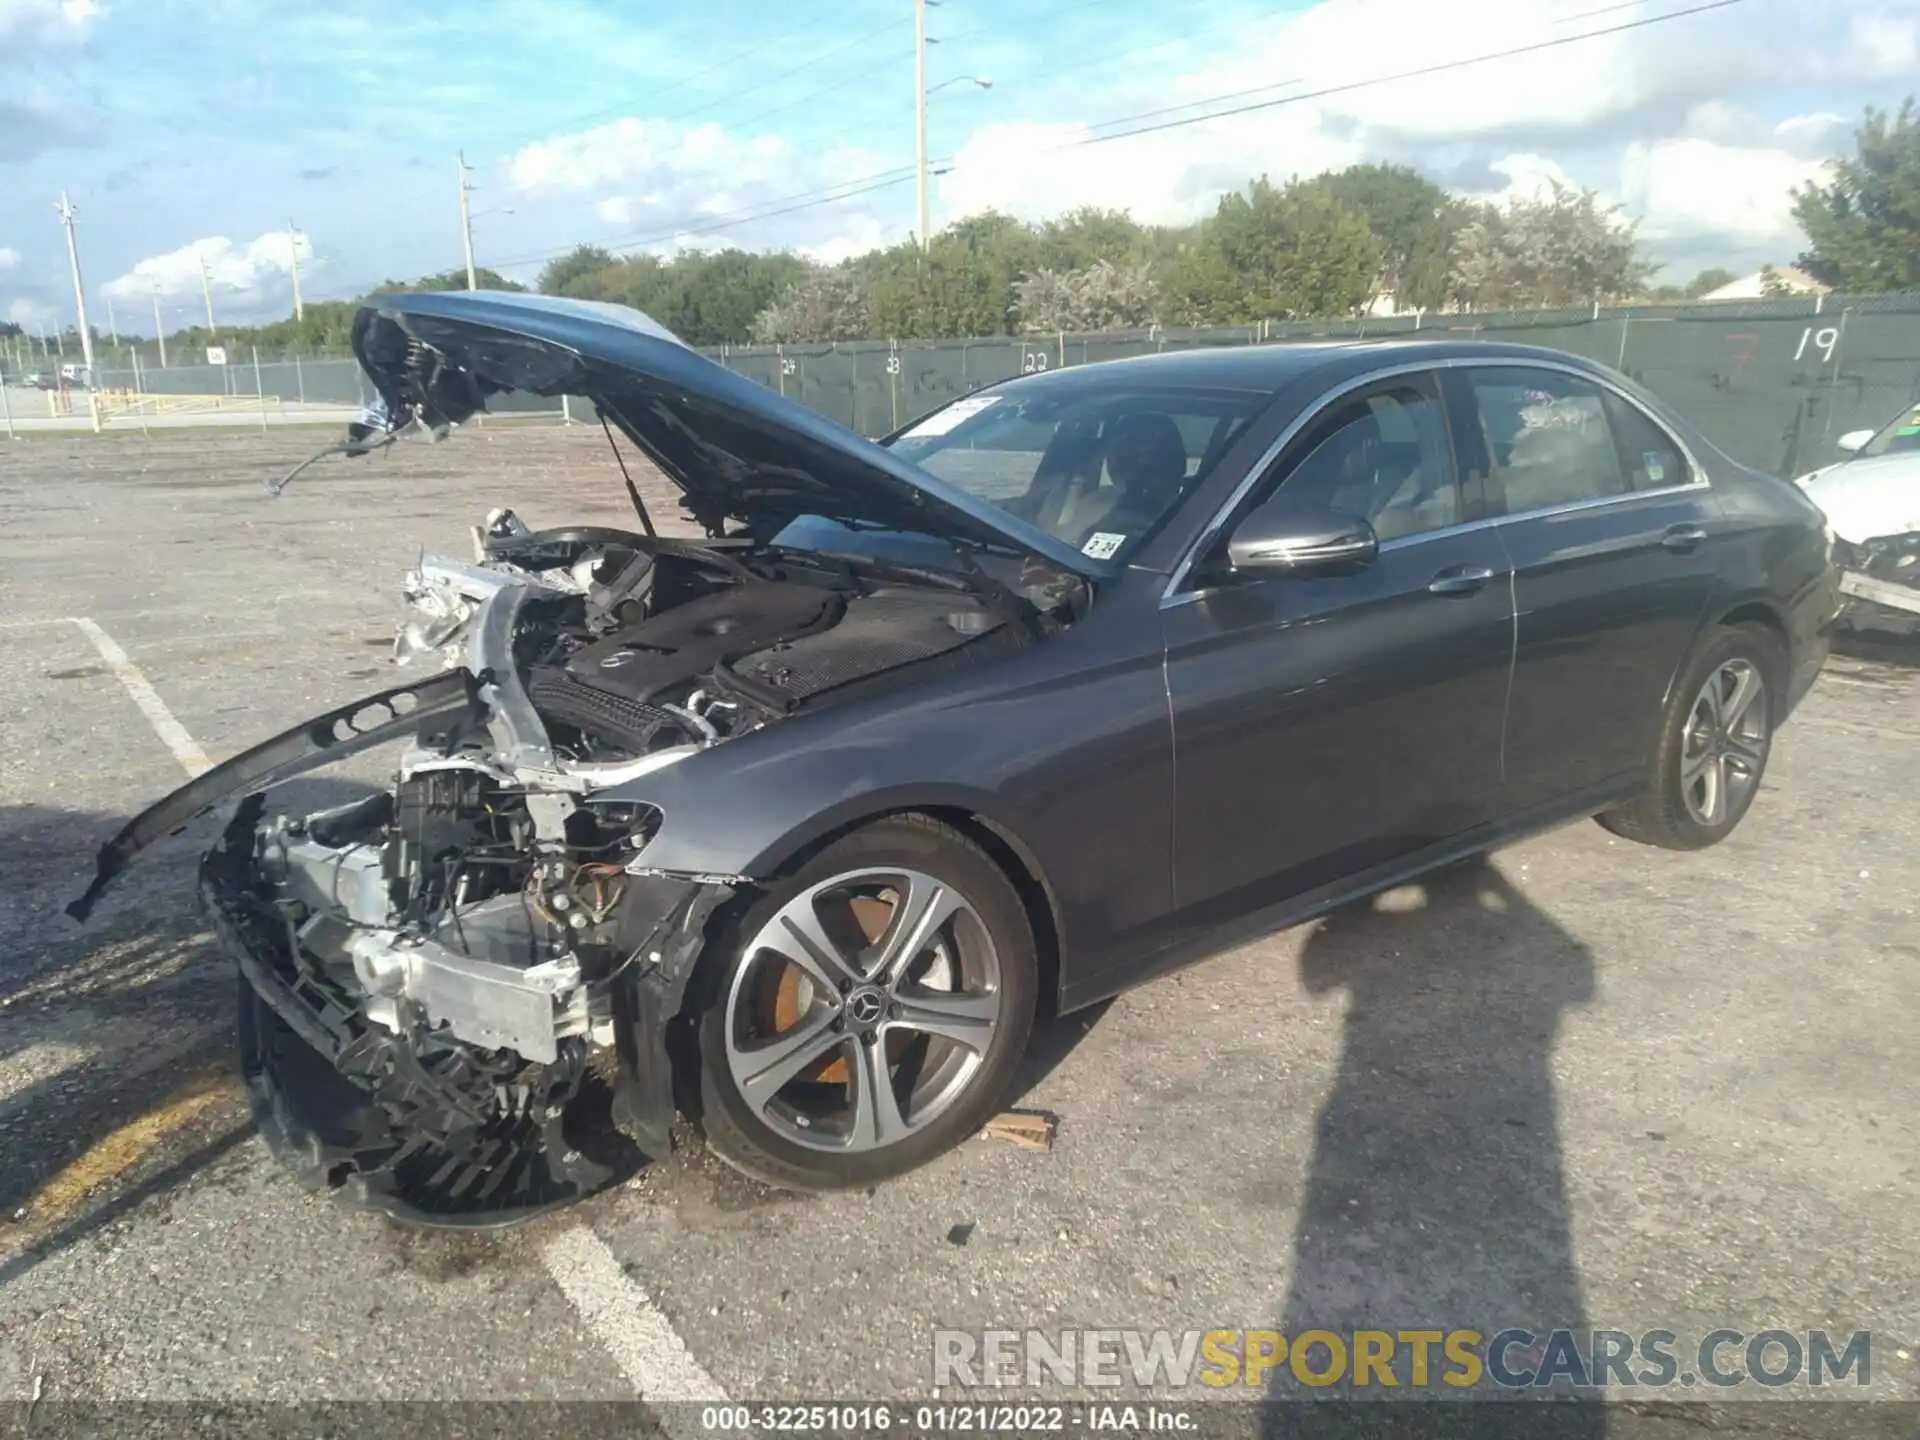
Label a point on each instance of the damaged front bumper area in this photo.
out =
(455, 992)
(441, 1078)
(1881, 579)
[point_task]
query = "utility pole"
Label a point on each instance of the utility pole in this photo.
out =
(293, 254)
(466, 216)
(67, 217)
(159, 330)
(920, 113)
(206, 290)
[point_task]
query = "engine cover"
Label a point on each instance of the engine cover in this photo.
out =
(686, 642)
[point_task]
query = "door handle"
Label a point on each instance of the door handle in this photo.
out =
(1460, 580)
(1684, 539)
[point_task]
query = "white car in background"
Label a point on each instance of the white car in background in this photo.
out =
(1872, 503)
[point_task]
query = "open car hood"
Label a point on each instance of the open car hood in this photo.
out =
(736, 449)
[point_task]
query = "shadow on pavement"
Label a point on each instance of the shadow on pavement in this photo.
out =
(118, 1071)
(1436, 1195)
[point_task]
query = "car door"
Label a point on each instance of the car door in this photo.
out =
(1327, 724)
(1609, 531)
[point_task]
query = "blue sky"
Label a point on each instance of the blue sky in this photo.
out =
(200, 128)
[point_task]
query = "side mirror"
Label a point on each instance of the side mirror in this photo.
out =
(1854, 440)
(1282, 539)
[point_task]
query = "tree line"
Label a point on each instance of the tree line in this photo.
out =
(1329, 246)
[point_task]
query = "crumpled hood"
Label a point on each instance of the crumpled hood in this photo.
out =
(736, 449)
(1867, 498)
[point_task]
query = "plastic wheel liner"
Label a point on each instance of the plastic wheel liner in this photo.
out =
(415, 1122)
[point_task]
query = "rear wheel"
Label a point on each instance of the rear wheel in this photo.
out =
(870, 1012)
(1713, 745)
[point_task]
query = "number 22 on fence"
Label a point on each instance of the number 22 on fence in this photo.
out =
(1824, 340)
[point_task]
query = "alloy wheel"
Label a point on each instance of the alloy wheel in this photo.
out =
(862, 1009)
(1724, 748)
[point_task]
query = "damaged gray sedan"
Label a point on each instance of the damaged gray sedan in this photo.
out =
(797, 827)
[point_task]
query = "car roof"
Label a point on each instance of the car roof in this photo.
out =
(1275, 366)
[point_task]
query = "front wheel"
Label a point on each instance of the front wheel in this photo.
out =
(870, 1009)
(1713, 745)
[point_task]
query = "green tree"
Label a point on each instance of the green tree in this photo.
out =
(484, 278)
(1562, 249)
(561, 276)
(824, 306)
(962, 284)
(1274, 252)
(1102, 296)
(1086, 236)
(1709, 280)
(1413, 222)
(1863, 226)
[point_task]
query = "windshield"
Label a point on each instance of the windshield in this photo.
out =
(1900, 434)
(1098, 471)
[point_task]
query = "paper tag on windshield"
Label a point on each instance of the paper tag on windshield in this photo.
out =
(1103, 545)
(941, 421)
(1656, 469)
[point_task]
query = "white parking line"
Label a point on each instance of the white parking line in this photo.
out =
(171, 732)
(626, 1321)
(641, 1340)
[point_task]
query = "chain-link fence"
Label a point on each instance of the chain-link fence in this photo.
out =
(1772, 382)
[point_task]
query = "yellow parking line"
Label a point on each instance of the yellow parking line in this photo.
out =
(114, 1154)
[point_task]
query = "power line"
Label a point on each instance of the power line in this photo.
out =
(887, 179)
(880, 181)
(1416, 74)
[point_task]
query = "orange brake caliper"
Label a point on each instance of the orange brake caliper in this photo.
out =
(871, 916)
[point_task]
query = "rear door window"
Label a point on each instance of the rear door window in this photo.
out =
(1652, 460)
(1548, 435)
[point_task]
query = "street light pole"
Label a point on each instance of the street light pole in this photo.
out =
(67, 216)
(206, 290)
(920, 115)
(293, 256)
(466, 219)
(113, 326)
(159, 330)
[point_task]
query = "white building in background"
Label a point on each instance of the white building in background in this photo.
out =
(1754, 286)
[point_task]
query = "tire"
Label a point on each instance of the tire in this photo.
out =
(1677, 809)
(827, 1125)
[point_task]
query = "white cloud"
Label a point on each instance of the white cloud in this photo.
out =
(1693, 190)
(9, 258)
(245, 276)
(677, 180)
(1653, 116)
(33, 315)
(1813, 137)
(1034, 171)
(1881, 43)
(32, 24)
(862, 233)
(1678, 120)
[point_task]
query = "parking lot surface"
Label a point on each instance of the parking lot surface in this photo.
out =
(1582, 1084)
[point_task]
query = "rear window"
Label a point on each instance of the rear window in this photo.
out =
(1098, 471)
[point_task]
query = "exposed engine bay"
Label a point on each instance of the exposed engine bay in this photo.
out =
(458, 988)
